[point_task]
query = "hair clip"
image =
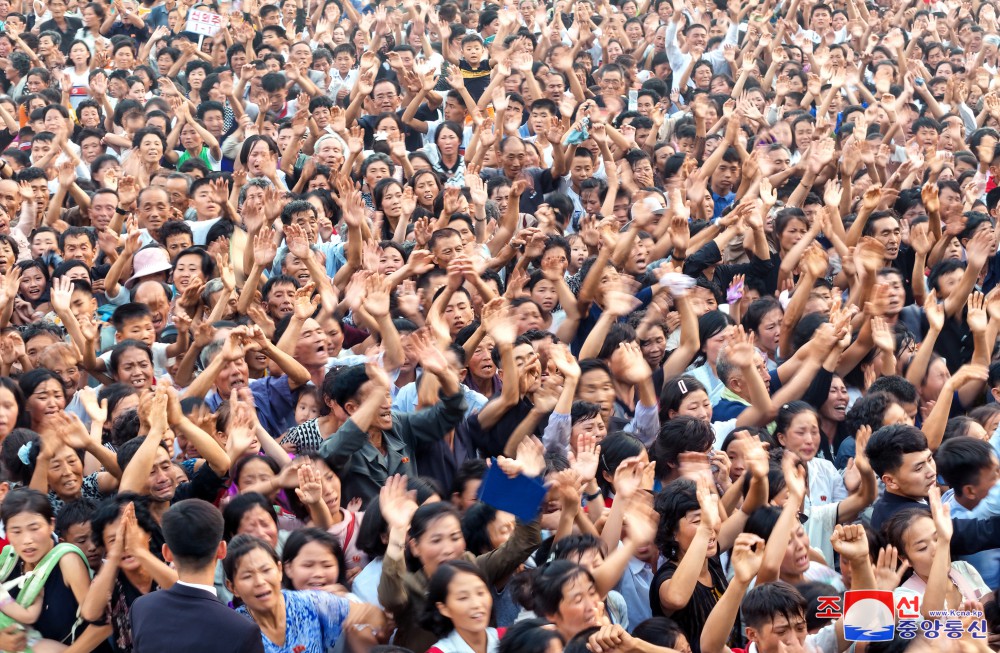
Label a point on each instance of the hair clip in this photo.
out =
(680, 386)
(24, 453)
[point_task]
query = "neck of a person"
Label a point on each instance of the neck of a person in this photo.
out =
(478, 641)
(273, 619)
(828, 427)
(316, 374)
(375, 437)
(204, 576)
(140, 579)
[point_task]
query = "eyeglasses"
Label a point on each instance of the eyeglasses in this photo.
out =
(386, 96)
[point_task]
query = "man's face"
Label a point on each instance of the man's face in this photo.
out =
(279, 300)
(10, 197)
(513, 159)
(386, 98)
(178, 191)
(308, 221)
(458, 313)
(151, 294)
(78, 248)
(214, 122)
(555, 87)
(582, 168)
(301, 54)
(697, 37)
(154, 209)
(161, 478)
(41, 188)
(176, 244)
(783, 630)
(914, 477)
(725, 176)
(204, 203)
(888, 232)
(445, 249)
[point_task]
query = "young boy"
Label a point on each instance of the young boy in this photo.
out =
(475, 65)
(970, 468)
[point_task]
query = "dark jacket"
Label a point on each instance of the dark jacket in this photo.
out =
(192, 620)
(362, 467)
(404, 593)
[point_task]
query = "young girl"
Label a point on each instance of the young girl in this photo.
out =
(307, 404)
(923, 540)
(797, 429)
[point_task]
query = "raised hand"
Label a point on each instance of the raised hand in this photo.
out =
(397, 503)
(747, 556)
(850, 541)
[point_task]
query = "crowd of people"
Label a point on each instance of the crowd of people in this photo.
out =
(604, 326)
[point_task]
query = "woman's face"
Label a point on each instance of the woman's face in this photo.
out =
(528, 317)
(654, 347)
(65, 475)
(314, 568)
(190, 138)
(259, 523)
(441, 542)
(426, 190)
(253, 472)
(31, 536)
(695, 404)
(33, 284)
(802, 435)
(796, 559)
(835, 406)
(448, 142)
(195, 78)
(135, 369)
(110, 535)
(687, 528)
(334, 337)
(257, 581)
(48, 399)
(392, 201)
(258, 157)
(376, 172)
(79, 54)
(8, 412)
(468, 604)
(90, 117)
(390, 127)
(937, 374)
(769, 331)
(581, 607)
(389, 261)
(715, 344)
(151, 148)
(920, 545)
(794, 231)
(186, 271)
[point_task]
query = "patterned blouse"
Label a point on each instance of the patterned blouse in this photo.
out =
(313, 622)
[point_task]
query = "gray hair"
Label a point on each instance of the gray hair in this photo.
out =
(213, 286)
(259, 182)
(724, 367)
(210, 351)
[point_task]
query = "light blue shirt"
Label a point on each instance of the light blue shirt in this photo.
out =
(406, 399)
(987, 562)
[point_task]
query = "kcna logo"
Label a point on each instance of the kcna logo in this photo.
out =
(869, 615)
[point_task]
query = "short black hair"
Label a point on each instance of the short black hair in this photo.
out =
(887, 446)
(765, 602)
(961, 459)
(193, 530)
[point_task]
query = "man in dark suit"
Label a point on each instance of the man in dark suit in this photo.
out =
(189, 616)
